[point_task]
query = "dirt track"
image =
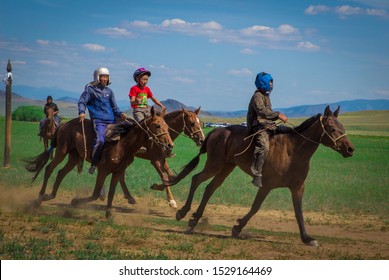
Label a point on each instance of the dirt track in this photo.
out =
(148, 229)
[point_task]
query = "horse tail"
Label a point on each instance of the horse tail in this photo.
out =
(188, 168)
(37, 163)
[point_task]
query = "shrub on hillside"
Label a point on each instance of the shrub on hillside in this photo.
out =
(28, 114)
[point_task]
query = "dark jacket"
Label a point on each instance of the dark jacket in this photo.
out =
(100, 102)
(259, 112)
(51, 105)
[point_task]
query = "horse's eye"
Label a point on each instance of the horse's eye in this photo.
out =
(192, 124)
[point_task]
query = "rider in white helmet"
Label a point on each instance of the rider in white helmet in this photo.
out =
(102, 107)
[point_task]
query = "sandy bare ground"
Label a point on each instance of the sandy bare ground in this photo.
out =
(149, 229)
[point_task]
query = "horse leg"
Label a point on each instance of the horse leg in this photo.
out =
(297, 197)
(51, 152)
(126, 192)
(170, 198)
(72, 162)
(101, 175)
(260, 197)
(114, 180)
(59, 157)
(164, 174)
(197, 179)
(166, 168)
(209, 190)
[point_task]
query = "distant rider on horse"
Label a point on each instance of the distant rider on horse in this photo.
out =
(49, 105)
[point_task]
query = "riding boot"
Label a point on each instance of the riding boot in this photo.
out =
(256, 167)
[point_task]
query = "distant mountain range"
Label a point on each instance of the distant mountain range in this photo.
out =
(67, 103)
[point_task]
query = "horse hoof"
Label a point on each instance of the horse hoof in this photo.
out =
(75, 202)
(189, 231)
(179, 216)
(312, 242)
(108, 214)
(47, 197)
(235, 233)
(37, 203)
(157, 187)
(131, 200)
(173, 204)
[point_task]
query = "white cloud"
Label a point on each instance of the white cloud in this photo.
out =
(347, 10)
(94, 47)
(256, 35)
(48, 62)
(115, 32)
(316, 9)
(344, 11)
(42, 42)
(183, 80)
(240, 72)
(376, 12)
(247, 51)
(287, 29)
(307, 46)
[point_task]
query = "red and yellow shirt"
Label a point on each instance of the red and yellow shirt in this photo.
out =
(141, 94)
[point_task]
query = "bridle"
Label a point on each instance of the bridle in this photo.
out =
(185, 128)
(154, 138)
(334, 140)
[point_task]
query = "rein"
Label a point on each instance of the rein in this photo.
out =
(84, 138)
(153, 137)
(334, 140)
(252, 138)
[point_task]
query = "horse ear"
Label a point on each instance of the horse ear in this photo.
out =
(163, 112)
(152, 111)
(327, 111)
(336, 113)
(198, 110)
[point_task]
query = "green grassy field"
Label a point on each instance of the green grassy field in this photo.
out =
(359, 184)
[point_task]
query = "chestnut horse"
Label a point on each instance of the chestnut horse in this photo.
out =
(287, 164)
(48, 130)
(178, 121)
(71, 139)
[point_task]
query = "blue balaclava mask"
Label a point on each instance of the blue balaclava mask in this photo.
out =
(262, 81)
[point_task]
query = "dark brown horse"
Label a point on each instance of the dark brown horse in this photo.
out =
(73, 139)
(48, 130)
(287, 164)
(178, 121)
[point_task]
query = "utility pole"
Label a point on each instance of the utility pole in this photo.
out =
(8, 115)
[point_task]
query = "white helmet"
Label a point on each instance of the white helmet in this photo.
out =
(100, 71)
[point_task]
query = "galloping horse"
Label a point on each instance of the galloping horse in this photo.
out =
(48, 130)
(178, 121)
(287, 164)
(71, 139)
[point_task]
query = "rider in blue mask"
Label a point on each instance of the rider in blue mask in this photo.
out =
(260, 121)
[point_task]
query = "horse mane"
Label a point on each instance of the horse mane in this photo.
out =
(117, 130)
(173, 114)
(307, 123)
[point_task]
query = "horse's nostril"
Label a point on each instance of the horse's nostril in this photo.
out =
(350, 150)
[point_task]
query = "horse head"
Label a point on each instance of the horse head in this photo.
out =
(334, 134)
(49, 125)
(192, 126)
(158, 130)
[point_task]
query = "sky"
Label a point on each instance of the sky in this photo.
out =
(203, 53)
